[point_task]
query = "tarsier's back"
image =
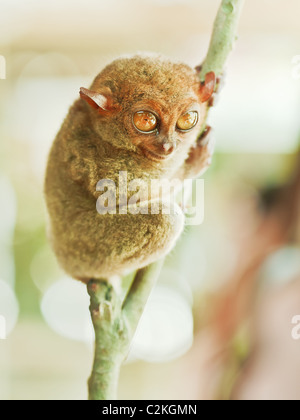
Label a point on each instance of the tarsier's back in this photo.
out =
(143, 118)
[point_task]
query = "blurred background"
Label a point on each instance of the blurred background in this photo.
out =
(219, 324)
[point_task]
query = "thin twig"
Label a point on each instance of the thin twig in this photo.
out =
(138, 294)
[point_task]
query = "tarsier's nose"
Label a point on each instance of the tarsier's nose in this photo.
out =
(160, 151)
(168, 148)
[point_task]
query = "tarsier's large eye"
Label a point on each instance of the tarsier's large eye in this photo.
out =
(187, 121)
(145, 121)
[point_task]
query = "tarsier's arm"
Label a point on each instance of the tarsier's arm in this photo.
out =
(201, 152)
(199, 158)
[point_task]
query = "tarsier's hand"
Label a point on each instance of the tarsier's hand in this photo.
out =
(201, 154)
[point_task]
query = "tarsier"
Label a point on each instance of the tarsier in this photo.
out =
(143, 115)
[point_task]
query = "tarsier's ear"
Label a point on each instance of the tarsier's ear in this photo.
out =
(207, 87)
(102, 102)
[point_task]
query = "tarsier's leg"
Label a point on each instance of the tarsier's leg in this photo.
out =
(117, 243)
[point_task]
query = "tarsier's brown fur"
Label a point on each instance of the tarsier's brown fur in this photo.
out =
(98, 140)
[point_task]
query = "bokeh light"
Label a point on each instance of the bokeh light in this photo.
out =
(9, 307)
(7, 227)
(166, 328)
(65, 307)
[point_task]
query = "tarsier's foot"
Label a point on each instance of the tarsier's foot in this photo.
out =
(102, 299)
(133, 241)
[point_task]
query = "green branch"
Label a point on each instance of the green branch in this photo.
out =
(115, 321)
(223, 37)
(111, 340)
(221, 44)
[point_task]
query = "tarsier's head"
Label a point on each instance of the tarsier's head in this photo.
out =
(148, 105)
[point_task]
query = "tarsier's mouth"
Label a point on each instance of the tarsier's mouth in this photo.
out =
(155, 156)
